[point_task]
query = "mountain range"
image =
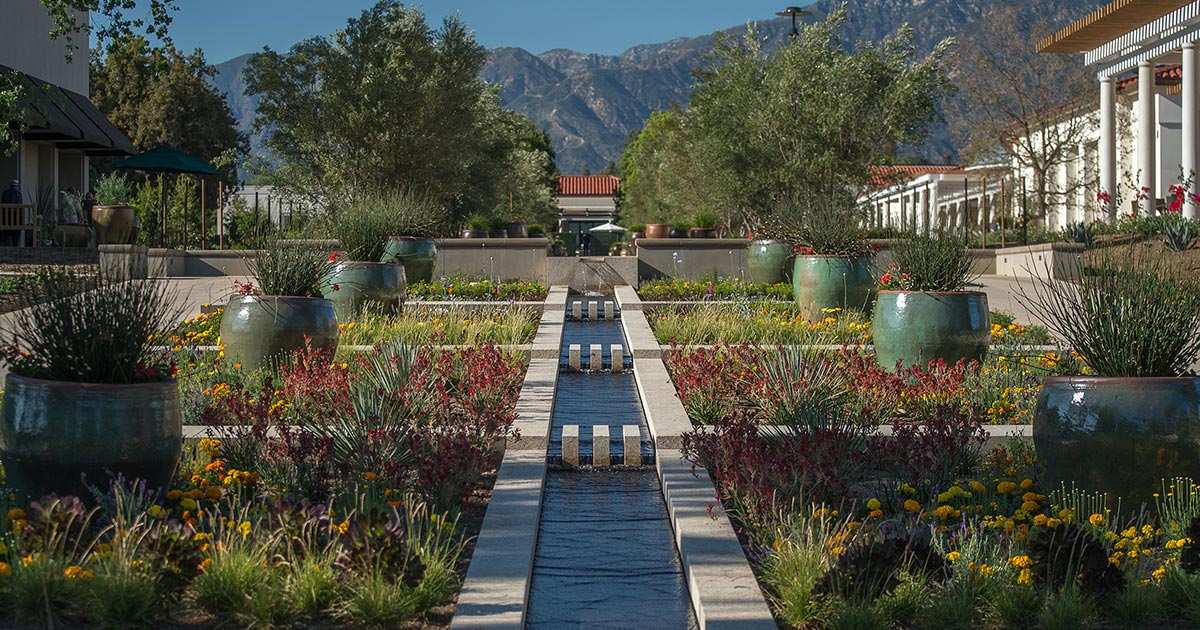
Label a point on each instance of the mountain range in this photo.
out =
(590, 103)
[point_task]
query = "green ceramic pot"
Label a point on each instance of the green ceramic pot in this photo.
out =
(417, 254)
(766, 261)
(916, 327)
(259, 330)
(360, 283)
(59, 437)
(827, 282)
(1118, 435)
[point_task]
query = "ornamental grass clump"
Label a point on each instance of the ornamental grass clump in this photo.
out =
(287, 269)
(827, 224)
(1127, 317)
(937, 262)
(366, 221)
(90, 329)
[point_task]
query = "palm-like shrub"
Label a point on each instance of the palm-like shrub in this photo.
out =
(364, 223)
(290, 269)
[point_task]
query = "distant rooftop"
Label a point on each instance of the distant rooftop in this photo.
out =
(893, 174)
(588, 185)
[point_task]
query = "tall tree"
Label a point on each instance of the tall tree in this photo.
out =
(388, 101)
(1033, 108)
(158, 95)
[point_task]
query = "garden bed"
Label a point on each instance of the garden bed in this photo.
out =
(472, 288)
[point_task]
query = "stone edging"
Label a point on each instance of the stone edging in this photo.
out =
(720, 581)
(496, 589)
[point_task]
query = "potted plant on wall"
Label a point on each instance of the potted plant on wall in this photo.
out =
(265, 324)
(922, 310)
(1133, 419)
(112, 216)
(705, 225)
(86, 394)
(477, 226)
(363, 226)
(517, 227)
(834, 261)
(412, 243)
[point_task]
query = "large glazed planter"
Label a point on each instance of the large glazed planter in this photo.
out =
(1118, 435)
(417, 254)
(260, 330)
(827, 282)
(916, 327)
(658, 230)
(359, 283)
(59, 437)
(112, 224)
(766, 261)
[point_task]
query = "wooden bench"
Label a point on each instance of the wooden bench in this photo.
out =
(18, 217)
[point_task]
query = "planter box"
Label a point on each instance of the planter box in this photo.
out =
(691, 258)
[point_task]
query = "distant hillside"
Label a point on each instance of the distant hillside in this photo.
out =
(590, 103)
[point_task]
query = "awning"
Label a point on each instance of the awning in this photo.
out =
(608, 227)
(69, 119)
(1107, 24)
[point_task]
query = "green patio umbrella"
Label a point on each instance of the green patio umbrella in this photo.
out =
(166, 159)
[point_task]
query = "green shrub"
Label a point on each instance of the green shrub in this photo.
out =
(929, 262)
(113, 189)
(366, 221)
(290, 269)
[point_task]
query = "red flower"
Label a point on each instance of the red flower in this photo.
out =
(334, 256)
(335, 287)
(887, 277)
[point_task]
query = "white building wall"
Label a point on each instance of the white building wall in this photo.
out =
(25, 45)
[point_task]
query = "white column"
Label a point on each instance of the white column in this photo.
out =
(1145, 137)
(1189, 134)
(1108, 144)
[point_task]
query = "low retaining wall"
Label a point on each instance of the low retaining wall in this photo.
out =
(592, 273)
(496, 258)
(1061, 259)
(691, 258)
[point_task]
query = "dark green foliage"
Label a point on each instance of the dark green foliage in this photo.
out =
(88, 329)
(1072, 556)
(870, 568)
(364, 224)
(290, 269)
(1081, 233)
(1177, 235)
(1189, 556)
(1134, 316)
(933, 262)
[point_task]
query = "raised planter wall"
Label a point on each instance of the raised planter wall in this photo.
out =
(498, 258)
(691, 258)
(1062, 259)
(592, 273)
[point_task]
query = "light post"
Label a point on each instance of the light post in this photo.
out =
(794, 12)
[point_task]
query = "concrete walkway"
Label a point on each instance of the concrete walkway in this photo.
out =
(1002, 293)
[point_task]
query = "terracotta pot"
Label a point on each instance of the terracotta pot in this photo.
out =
(112, 224)
(261, 330)
(59, 437)
(916, 327)
(418, 254)
(827, 282)
(658, 230)
(1117, 435)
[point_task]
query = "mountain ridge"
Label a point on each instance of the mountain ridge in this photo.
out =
(589, 103)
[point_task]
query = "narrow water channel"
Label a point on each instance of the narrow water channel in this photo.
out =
(605, 555)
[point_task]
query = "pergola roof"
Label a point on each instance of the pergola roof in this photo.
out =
(1108, 23)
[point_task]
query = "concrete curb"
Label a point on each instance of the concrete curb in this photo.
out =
(496, 589)
(724, 591)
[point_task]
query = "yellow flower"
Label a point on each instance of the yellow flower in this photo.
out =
(1005, 487)
(5, 571)
(350, 326)
(244, 528)
(1026, 484)
(187, 503)
(912, 506)
(1097, 520)
(945, 512)
(1029, 506)
(174, 495)
(16, 514)
(1025, 577)
(873, 504)
(953, 556)
(976, 486)
(876, 514)
(1021, 562)
(76, 572)
(1159, 573)
(156, 511)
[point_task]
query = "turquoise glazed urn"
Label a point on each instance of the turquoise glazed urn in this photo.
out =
(417, 254)
(766, 261)
(352, 285)
(59, 437)
(1122, 436)
(262, 330)
(916, 327)
(823, 283)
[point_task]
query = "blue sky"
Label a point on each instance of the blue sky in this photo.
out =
(227, 28)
